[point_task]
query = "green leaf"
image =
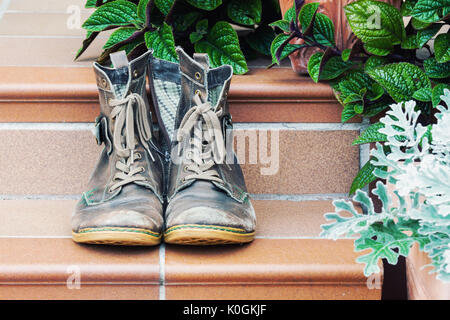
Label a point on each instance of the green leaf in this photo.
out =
(183, 21)
(375, 92)
(119, 35)
(371, 134)
(348, 112)
(207, 5)
(372, 20)
(407, 7)
(162, 43)
(419, 25)
(442, 48)
(314, 66)
(289, 15)
(283, 25)
(333, 68)
(245, 12)
(436, 70)
(261, 39)
(142, 9)
(353, 98)
(358, 107)
(306, 14)
(363, 178)
(380, 47)
(423, 94)
(400, 80)
(195, 36)
(116, 13)
(202, 26)
(164, 5)
(437, 92)
(346, 54)
(373, 62)
(410, 42)
(323, 30)
(287, 50)
(430, 10)
(423, 36)
(92, 3)
(222, 46)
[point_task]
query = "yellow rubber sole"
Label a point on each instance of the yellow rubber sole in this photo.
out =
(198, 235)
(117, 236)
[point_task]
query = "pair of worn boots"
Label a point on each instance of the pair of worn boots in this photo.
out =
(183, 183)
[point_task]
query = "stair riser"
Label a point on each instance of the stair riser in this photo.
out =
(59, 162)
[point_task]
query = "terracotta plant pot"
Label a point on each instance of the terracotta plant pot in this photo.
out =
(421, 284)
(344, 37)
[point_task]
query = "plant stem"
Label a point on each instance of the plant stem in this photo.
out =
(168, 17)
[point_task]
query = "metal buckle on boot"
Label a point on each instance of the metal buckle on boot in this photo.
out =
(101, 133)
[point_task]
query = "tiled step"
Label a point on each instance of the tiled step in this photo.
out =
(59, 158)
(287, 260)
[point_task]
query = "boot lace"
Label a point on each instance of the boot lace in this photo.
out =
(124, 112)
(208, 145)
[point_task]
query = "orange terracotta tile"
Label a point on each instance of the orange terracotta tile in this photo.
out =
(304, 291)
(44, 24)
(309, 162)
(51, 218)
(85, 292)
(46, 162)
(44, 6)
(40, 260)
(266, 261)
(36, 217)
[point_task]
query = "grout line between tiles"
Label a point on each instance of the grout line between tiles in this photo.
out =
(162, 272)
(300, 197)
(299, 126)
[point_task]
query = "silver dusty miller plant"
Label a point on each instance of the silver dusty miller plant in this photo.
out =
(418, 170)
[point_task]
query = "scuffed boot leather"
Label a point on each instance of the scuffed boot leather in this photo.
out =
(207, 200)
(124, 202)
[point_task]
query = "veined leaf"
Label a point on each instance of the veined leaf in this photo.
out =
(380, 47)
(423, 36)
(116, 13)
(348, 112)
(142, 9)
(442, 48)
(430, 10)
(119, 35)
(436, 70)
(282, 24)
(222, 46)
(363, 178)
(371, 134)
(162, 43)
(306, 14)
(423, 94)
(164, 5)
(285, 51)
(400, 80)
(373, 20)
(245, 12)
(261, 40)
(437, 92)
(207, 5)
(323, 30)
(373, 62)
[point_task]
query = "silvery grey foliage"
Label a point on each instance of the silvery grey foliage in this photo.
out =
(417, 170)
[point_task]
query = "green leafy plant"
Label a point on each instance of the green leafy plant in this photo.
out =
(228, 30)
(418, 211)
(389, 62)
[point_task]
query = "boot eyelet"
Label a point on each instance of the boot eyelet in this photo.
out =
(198, 76)
(110, 191)
(104, 83)
(137, 155)
(198, 92)
(142, 169)
(185, 169)
(135, 73)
